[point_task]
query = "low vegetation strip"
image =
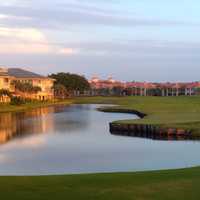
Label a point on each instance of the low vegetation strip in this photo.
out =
(31, 105)
(181, 113)
(165, 185)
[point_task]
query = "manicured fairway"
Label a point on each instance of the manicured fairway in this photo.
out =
(162, 185)
(171, 112)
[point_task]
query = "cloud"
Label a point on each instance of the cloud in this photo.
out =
(163, 61)
(100, 36)
(67, 51)
(25, 34)
(131, 47)
(29, 41)
(19, 48)
(63, 15)
(23, 41)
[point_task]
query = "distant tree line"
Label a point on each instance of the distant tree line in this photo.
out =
(67, 84)
(120, 91)
(115, 91)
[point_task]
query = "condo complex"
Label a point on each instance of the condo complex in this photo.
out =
(8, 76)
(144, 88)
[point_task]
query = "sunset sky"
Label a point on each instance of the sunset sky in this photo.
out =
(144, 40)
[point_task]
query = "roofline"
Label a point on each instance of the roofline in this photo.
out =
(7, 76)
(34, 78)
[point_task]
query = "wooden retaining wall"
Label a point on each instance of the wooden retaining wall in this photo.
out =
(145, 130)
(142, 129)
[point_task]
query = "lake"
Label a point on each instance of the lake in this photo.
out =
(76, 139)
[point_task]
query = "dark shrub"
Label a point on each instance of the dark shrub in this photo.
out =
(17, 101)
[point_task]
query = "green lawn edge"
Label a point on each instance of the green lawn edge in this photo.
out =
(155, 185)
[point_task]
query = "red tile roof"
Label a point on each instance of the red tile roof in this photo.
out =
(110, 83)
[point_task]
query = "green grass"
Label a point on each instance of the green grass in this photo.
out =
(161, 185)
(30, 105)
(171, 112)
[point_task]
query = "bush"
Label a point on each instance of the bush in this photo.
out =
(5, 92)
(17, 101)
(26, 87)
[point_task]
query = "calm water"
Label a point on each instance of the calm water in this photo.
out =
(76, 139)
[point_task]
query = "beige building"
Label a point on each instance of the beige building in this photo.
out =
(9, 75)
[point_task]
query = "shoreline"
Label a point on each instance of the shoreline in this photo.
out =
(144, 124)
(127, 126)
(168, 115)
(5, 108)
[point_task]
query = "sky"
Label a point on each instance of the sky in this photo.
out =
(141, 40)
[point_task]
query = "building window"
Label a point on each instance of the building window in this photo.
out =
(6, 80)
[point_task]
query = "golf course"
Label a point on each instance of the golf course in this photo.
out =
(170, 112)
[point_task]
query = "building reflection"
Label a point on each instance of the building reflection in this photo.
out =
(55, 119)
(14, 125)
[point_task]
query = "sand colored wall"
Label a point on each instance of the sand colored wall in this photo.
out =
(46, 86)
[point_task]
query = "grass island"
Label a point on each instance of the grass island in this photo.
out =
(167, 112)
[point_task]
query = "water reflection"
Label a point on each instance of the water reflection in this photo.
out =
(40, 121)
(76, 139)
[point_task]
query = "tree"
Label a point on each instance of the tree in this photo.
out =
(72, 82)
(4, 92)
(26, 87)
(117, 91)
(60, 91)
(5, 95)
(36, 89)
(104, 91)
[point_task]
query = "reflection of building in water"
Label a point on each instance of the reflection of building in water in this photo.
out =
(8, 126)
(44, 120)
(14, 125)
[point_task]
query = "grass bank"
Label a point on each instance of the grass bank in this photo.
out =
(170, 112)
(31, 105)
(166, 185)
